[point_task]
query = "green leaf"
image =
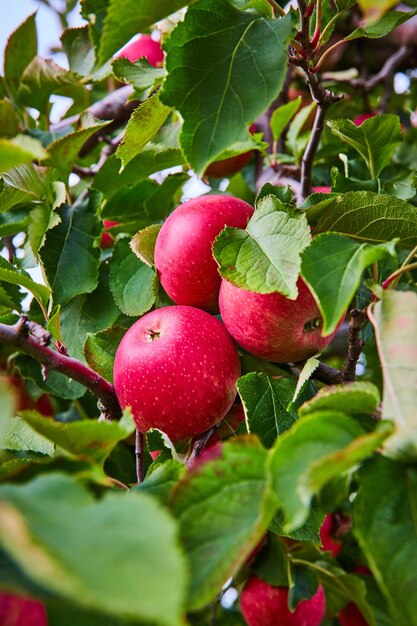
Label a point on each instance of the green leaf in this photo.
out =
(52, 538)
(81, 315)
(22, 184)
(333, 266)
(214, 96)
(57, 384)
(21, 47)
(10, 274)
(70, 254)
(376, 139)
(296, 141)
(42, 78)
(162, 481)
(217, 544)
(272, 562)
(6, 408)
(9, 122)
(371, 217)
(140, 74)
(21, 149)
(135, 17)
(132, 282)
(100, 350)
(143, 243)
(79, 50)
(308, 370)
(308, 531)
(353, 398)
(394, 324)
(313, 439)
(266, 257)
(382, 26)
(86, 440)
(265, 401)
(63, 152)
(21, 436)
(143, 124)
(385, 524)
(282, 116)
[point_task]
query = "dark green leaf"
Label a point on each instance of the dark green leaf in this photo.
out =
(10, 274)
(80, 52)
(22, 184)
(161, 482)
(100, 350)
(382, 26)
(230, 45)
(143, 243)
(141, 74)
(9, 122)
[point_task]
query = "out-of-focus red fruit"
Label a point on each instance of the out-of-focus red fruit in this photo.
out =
(107, 240)
(177, 368)
(326, 536)
(146, 47)
(264, 605)
(362, 569)
(271, 326)
(23, 401)
(322, 189)
(351, 616)
(228, 167)
(154, 454)
(21, 611)
(363, 117)
(183, 255)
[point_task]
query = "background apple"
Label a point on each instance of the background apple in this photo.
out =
(146, 47)
(264, 605)
(107, 240)
(324, 189)
(22, 399)
(183, 255)
(271, 326)
(21, 611)
(327, 537)
(177, 368)
(363, 117)
(350, 615)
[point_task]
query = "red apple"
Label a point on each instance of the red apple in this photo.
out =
(176, 368)
(363, 117)
(324, 189)
(21, 611)
(23, 401)
(264, 605)
(146, 47)
(327, 537)
(107, 240)
(271, 326)
(351, 616)
(225, 168)
(183, 255)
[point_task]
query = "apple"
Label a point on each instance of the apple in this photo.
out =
(176, 368)
(272, 327)
(146, 47)
(350, 615)
(183, 256)
(225, 168)
(16, 610)
(323, 189)
(107, 240)
(363, 117)
(23, 401)
(327, 537)
(264, 605)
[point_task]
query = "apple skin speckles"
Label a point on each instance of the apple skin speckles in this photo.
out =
(183, 381)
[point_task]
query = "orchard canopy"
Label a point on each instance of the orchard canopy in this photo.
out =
(208, 315)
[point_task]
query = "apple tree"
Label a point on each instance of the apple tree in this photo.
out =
(160, 463)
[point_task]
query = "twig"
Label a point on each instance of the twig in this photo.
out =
(109, 148)
(358, 318)
(386, 72)
(19, 335)
(199, 444)
(327, 374)
(11, 250)
(139, 457)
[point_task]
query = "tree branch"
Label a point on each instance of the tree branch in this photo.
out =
(139, 456)
(358, 317)
(29, 340)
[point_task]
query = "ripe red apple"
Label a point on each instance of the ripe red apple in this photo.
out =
(176, 368)
(21, 611)
(183, 255)
(107, 240)
(327, 537)
(362, 118)
(271, 326)
(146, 47)
(323, 189)
(264, 605)
(225, 168)
(23, 401)
(350, 615)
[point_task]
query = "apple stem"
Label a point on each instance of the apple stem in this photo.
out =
(27, 336)
(199, 443)
(139, 457)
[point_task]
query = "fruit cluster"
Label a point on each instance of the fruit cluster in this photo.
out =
(177, 366)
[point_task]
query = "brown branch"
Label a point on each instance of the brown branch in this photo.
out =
(19, 335)
(358, 317)
(327, 374)
(386, 72)
(199, 444)
(139, 457)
